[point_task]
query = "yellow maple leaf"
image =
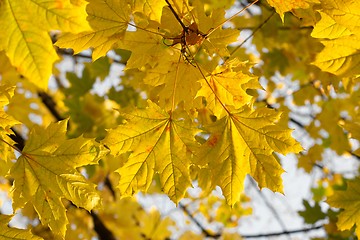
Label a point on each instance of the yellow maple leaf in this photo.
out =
(109, 20)
(244, 143)
(158, 143)
(6, 92)
(282, 6)
(327, 27)
(349, 200)
(27, 24)
(146, 48)
(152, 9)
(7, 232)
(340, 25)
(227, 87)
(46, 172)
(338, 18)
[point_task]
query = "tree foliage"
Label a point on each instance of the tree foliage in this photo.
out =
(195, 104)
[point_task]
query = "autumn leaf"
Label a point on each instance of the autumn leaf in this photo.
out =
(282, 6)
(27, 24)
(109, 19)
(340, 56)
(226, 86)
(7, 232)
(244, 143)
(349, 200)
(152, 9)
(6, 92)
(158, 144)
(46, 172)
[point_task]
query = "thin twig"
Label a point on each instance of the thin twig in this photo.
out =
(197, 223)
(283, 232)
(270, 207)
(252, 34)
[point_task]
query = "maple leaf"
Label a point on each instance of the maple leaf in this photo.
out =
(109, 20)
(6, 92)
(216, 38)
(349, 200)
(7, 232)
(243, 143)
(152, 9)
(158, 143)
(146, 48)
(312, 214)
(282, 6)
(179, 80)
(340, 23)
(27, 24)
(340, 56)
(226, 86)
(46, 172)
(338, 18)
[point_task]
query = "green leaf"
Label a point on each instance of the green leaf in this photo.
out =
(312, 214)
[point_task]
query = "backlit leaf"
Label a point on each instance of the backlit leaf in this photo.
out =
(21, 43)
(244, 143)
(109, 20)
(282, 6)
(158, 144)
(46, 172)
(349, 200)
(7, 232)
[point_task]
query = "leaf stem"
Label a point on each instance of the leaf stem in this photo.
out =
(229, 19)
(252, 34)
(177, 16)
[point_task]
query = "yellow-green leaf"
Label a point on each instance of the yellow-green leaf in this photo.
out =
(340, 56)
(46, 172)
(244, 143)
(327, 27)
(109, 20)
(349, 200)
(60, 15)
(282, 6)
(21, 42)
(6, 92)
(157, 143)
(152, 9)
(225, 87)
(7, 232)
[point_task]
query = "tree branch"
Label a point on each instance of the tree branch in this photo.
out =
(197, 223)
(283, 232)
(271, 208)
(102, 231)
(50, 104)
(252, 34)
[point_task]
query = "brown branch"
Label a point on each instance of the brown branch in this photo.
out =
(50, 104)
(81, 55)
(18, 139)
(102, 231)
(197, 223)
(283, 232)
(270, 207)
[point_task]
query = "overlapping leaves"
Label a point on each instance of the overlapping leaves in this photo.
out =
(46, 172)
(22, 37)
